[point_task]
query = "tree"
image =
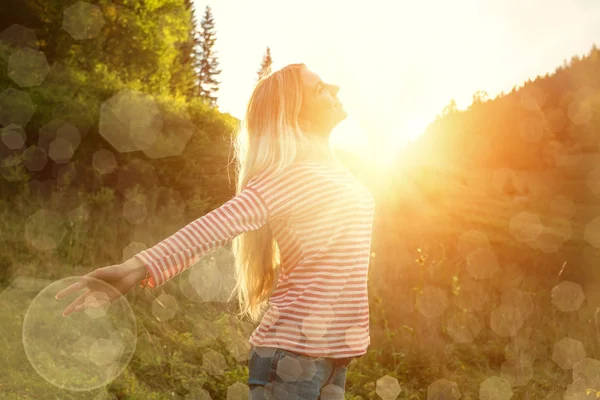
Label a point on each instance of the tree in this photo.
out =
(267, 62)
(450, 108)
(208, 63)
(184, 78)
(480, 96)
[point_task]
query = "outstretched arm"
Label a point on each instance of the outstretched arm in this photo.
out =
(170, 257)
(266, 197)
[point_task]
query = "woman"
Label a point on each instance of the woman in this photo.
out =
(300, 226)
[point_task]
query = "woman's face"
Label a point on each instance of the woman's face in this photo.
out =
(321, 110)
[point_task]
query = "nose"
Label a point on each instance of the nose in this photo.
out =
(333, 89)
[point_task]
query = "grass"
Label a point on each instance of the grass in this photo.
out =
(173, 358)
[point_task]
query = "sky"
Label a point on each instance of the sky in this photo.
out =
(398, 63)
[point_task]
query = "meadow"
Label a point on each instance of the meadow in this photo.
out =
(483, 278)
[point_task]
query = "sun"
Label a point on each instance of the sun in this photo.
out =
(367, 135)
(350, 137)
(378, 150)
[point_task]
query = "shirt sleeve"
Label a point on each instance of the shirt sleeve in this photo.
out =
(170, 257)
(266, 196)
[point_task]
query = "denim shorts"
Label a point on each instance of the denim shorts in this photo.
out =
(276, 373)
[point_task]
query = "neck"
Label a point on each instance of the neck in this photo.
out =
(320, 150)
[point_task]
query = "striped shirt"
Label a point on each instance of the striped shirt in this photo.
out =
(321, 218)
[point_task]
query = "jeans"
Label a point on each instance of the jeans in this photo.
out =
(278, 374)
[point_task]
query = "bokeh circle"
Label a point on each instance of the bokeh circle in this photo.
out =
(85, 350)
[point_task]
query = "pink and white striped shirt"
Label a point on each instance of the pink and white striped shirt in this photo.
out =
(321, 217)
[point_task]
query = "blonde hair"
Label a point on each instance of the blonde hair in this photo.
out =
(270, 137)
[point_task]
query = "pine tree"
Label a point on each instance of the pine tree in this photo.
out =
(267, 62)
(208, 64)
(185, 79)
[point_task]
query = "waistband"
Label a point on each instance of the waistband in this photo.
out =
(342, 361)
(336, 361)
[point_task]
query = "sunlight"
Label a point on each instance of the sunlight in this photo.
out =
(453, 257)
(415, 127)
(387, 146)
(349, 136)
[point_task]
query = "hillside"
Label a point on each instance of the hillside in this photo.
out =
(533, 150)
(538, 125)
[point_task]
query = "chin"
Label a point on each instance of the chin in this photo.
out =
(337, 122)
(342, 115)
(336, 118)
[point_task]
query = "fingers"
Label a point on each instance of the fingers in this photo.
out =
(84, 281)
(79, 301)
(70, 289)
(96, 281)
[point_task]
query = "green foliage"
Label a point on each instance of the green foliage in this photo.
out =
(143, 46)
(208, 64)
(184, 78)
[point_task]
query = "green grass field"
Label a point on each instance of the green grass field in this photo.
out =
(200, 351)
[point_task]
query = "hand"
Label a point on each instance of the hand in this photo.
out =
(122, 277)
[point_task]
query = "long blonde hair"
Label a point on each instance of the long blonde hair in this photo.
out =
(270, 137)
